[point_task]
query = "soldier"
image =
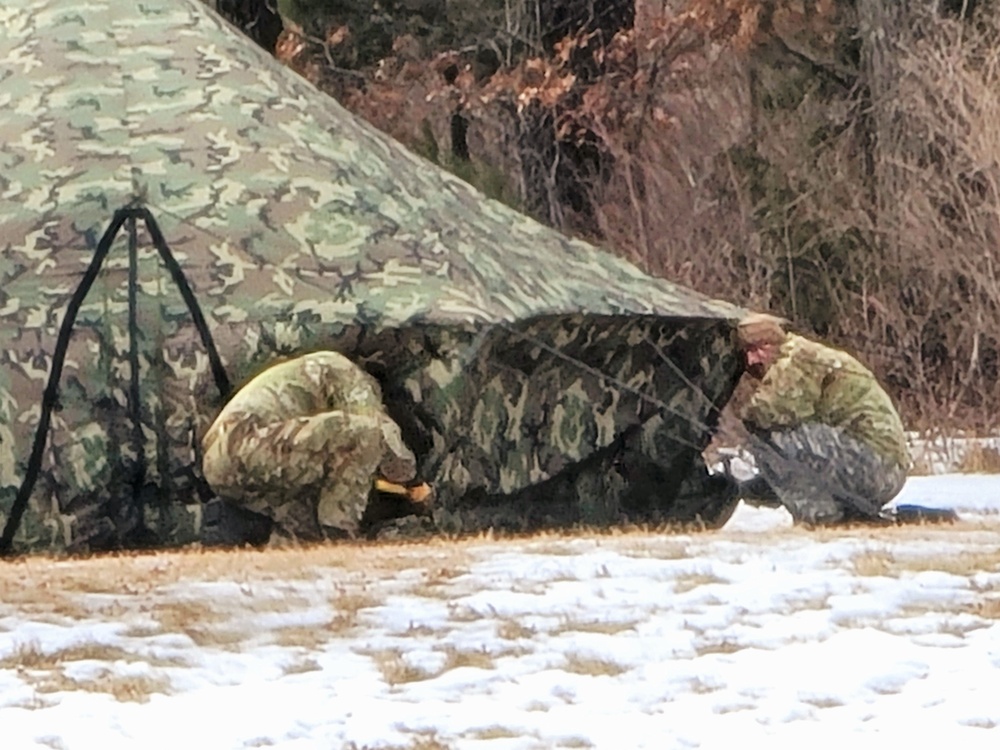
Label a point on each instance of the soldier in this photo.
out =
(824, 434)
(303, 442)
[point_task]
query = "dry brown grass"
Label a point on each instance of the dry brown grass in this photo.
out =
(301, 666)
(464, 613)
(604, 627)
(30, 656)
(512, 630)
(721, 646)
(965, 563)
(574, 742)
(657, 548)
(302, 636)
(872, 563)
(124, 688)
(987, 608)
(822, 701)
(396, 670)
(690, 581)
(494, 732)
(979, 459)
(421, 741)
(475, 658)
(593, 666)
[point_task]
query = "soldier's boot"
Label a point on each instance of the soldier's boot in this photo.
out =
(227, 525)
(757, 491)
(918, 514)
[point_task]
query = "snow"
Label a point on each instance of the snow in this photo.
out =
(758, 635)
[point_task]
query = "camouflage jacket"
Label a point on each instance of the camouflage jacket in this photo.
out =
(308, 385)
(810, 382)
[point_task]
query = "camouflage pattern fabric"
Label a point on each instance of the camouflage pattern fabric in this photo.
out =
(823, 475)
(298, 228)
(810, 382)
(301, 444)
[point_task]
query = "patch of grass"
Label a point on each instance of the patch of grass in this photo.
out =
(988, 608)
(124, 688)
(979, 723)
(535, 588)
(301, 666)
(594, 666)
(656, 549)
(698, 686)
(723, 646)
(396, 670)
(690, 581)
(347, 602)
(477, 658)
(964, 563)
(604, 627)
(574, 742)
(347, 606)
(872, 563)
(822, 701)
(422, 741)
(342, 624)
(31, 656)
(512, 630)
(419, 630)
(35, 703)
(979, 459)
(554, 548)
(144, 630)
(179, 615)
(494, 732)
(464, 613)
(428, 590)
(814, 601)
(302, 636)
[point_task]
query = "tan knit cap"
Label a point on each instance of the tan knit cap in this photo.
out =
(759, 329)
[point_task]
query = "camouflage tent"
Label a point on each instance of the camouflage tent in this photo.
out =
(177, 209)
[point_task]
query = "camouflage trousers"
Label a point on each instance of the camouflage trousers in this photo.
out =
(311, 475)
(822, 475)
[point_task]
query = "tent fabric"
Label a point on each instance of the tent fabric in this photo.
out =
(297, 226)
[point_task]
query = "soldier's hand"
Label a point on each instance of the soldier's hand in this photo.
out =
(421, 494)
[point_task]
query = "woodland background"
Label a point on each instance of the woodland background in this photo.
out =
(836, 162)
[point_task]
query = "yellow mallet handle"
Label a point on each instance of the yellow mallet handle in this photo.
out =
(418, 493)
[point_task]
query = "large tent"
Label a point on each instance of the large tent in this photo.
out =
(177, 210)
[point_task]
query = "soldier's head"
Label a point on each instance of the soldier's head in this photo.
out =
(760, 336)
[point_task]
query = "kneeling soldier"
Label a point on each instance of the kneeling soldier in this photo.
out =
(824, 434)
(303, 443)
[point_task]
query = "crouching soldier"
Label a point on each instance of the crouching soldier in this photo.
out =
(304, 443)
(824, 434)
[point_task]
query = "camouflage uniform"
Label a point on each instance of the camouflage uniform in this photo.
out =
(825, 435)
(302, 442)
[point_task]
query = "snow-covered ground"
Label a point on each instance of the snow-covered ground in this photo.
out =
(758, 635)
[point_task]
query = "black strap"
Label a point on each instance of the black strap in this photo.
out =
(51, 395)
(134, 393)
